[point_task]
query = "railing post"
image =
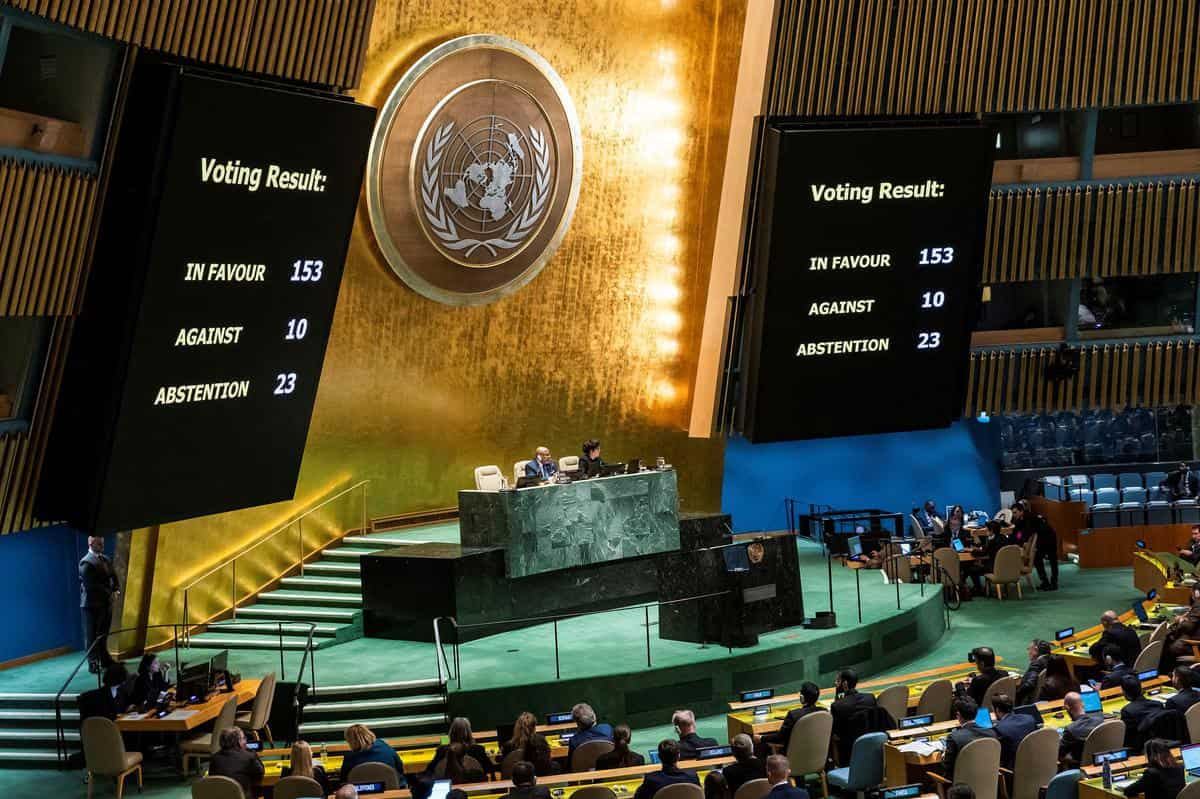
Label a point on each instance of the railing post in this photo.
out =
(363, 527)
(282, 673)
(233, 593)
(646, 608)
(300, 544)
(557, 672)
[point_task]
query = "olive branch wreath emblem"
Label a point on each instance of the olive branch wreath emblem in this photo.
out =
(442, 223)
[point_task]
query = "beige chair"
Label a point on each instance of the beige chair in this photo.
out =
(297, 788)
(594, 792)
(680, 790)
(1106, 736)
(568, 463)
(757, 789)
(898, 567)
(1036, 763)
(937, 700)
(950, 566)
(584, 758)
(1006, 570)
(1193, 722)
(511, 759)
(1190, 791)
(915, 527)
(203, 746)
(978, 765)
(105, 754)
(519, 470)
(1004, 515)
(1149, 657)
(808, 746)
(218, 788)
(1027, 560)
(380, 772)
(1004, 685)
(488, 478)
(894, 700)
(254, 720)
(1041, 683)
(1159, 633)
(939, 526)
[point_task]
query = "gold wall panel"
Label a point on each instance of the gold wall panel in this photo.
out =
(602, 343)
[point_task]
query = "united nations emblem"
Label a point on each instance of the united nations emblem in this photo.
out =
(474, 170)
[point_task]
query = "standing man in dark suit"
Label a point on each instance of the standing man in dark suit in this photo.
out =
(964, 710)
(1181, 484)
(1137, 709)
(1011, 728)
(668, 756)
(542, 466)
(779, 775)
(849, 701)
(985, 660)
(525, 783)
(809, 694)
(1118, 635)
(1027, 524)
(98, 586)
(689, 742)
(1070, 747)
(1183, 679)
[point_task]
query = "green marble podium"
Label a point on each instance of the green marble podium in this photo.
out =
(555, 527)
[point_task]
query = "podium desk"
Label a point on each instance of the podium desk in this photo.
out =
(186, 718)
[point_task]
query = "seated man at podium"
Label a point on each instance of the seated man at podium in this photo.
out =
(542, 466)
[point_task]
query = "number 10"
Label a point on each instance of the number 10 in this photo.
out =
(933, 299)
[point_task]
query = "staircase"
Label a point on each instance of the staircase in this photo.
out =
(410, 707)
(27, 729)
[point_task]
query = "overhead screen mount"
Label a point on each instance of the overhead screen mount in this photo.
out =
(195, 361)
(862, 276)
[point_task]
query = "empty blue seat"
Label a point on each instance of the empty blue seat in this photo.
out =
(1104, 509)
(1052, 487)
(1133, 505)
(1187, 512)
(1083, 495)
(1100, 481)
(1154, 479)
(1129, 480)
(1134, 494)
(1107, 496)
(1158, 511)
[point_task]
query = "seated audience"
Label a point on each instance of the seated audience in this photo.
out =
(746, 766)
(525, 783)
(715, 786)
(233, 760)
(1070, 745)
(669, 774)
(1115, 667)
(1011, 728)
(848, 702)
(366, 748)
(1183, 678)
(1058, 682)
(1183, 628)
(1191, 550)
(1163, 777)
(524, 729)
(586, 728)
(779, 776)
(460, 767)
(460, 733)
(151, 681)
(1118, 635)
(1137, 707)
(537, 752)
(809, 694)
(111, 699)
(1039, 656)
(301, 765)
(689, 742)
(977, 685)
(621, 756)
(965, 710)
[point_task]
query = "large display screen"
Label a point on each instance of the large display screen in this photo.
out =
(865, 264)
(209, 318)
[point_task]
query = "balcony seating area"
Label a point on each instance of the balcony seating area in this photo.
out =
(1135, 435)
(1123, 499)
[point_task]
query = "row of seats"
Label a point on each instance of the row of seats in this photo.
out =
(1124, 499)
(491, 477)
(1063, 439)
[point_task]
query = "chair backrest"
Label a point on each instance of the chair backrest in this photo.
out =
(1159, 633)
(297, 788)
(1134, 494)
(584, 757)
(680, 790)
(977, 765)
(752, 789)
(1036, 763)
(1084, 495)
(866, 761)
(894, 700)
(1149, 657)
(947, 560)
(937, 699)
(1190, 791)
(1007, 567)
(1104, 481)
(1108, 495)
(568, 463)
(1004, 685)
(915, 527)
(1155, 478)
(488, 478)
(1065, 785)
(260, 711)
(468, 764)
(519, 470)
(1003, 515)
(219, 788)
(1193, 722)
(594, 792)
(898, 567)
(511, 759)
(1129, 479)
(102, 746)
(226, 719)
(808, 748)
(375, 772)
(1027, 549)
(1106, 736)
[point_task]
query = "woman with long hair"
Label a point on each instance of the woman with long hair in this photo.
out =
(1163, 777)
(151, 680)
(1058, 682)
(715, 786)
(621, 755)
(301, 765)
(460, 733)
(537, 752)
(524, 729)
(460, 767)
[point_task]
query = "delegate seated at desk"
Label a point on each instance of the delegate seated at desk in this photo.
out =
(671, 774)
(965, 711)
(542, 466)
(1070, 746)
(1116, 634)
(590, 462)
(1191, 550)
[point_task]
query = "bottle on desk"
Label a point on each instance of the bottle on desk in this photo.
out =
(1106, 774)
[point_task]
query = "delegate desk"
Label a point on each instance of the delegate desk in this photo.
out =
(906, 759)
(185, 718)
(1075, 648)
(1150, 574)
(1123, 773)
(744, 719)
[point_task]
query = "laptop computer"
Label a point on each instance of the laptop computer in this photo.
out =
(957, 544)
(908, 722)
(1031, 711)
(905, 548)
(1091, 701)
(854, 545)
(1191, 759)
(652, 756)
(983, 718)
(441, 789)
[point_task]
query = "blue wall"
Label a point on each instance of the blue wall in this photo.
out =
(39, 590)
(895, 472)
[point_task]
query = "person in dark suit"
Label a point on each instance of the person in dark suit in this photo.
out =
(233, 760)
(1163, 777)
(111, 699)
(689, 742)
(1116, 668)
(977, 685)
(1058, 682)
(151, 680)
(1137, 707)
(98, 585)
(1181, 484)
(779, 775)
(1039, 657)
(542, 466)
(525, 783)
(1070, 745)
(621, 756)
(746, 766)
(809, 694)
(1011, 728)
(848, 702)
(586, 728)
(1183, 678)
(926, 516)
(590, 462)
(965, 710)
(1027, 524)
(669, 774)
(1118, 635)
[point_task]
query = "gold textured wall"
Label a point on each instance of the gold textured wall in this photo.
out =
(415, 394)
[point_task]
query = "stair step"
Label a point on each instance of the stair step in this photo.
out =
(369, 688)
(323, 583)
(38, 756)
(319, 597)
(296, 614)
(366, 705)
(289, 628)
(36, 735)
(376, 724)
(35, 697)
(380, 540)
(349, 553)
(216, 641)
(37, 715)
(322, 569)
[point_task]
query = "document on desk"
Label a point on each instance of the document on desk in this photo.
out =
(923, 748)
(180, 715)
(133, 716)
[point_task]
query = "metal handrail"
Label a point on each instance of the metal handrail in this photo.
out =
(232, 560)
(445, 674)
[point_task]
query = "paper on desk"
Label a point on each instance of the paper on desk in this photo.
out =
(180, 715)
(922, 748)
(134, 716)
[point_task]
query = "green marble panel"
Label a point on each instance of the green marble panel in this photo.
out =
(560, 526)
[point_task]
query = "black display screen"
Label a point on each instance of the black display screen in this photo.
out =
(865, 267)
(213, 291)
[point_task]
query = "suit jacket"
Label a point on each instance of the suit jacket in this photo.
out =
(596, 732)
(529, 792)
(589, 467)
(739, 773)
(147, 687)
(1075, 733)
(1032, 524)
(982, 681)
(1157, 783)
(846, 706)
(1011, 730)
(959, 738)
(1027, 689)
(543, 471)
(104, 702)
(1183, 700)
(661, 779)
(1134, 713)
(1123, 638)
(784, 733)
(1182, 485)
(925, 519)
(240, 765)
(1114, 677)
(689, 744)
(97, 581)
(785, 790)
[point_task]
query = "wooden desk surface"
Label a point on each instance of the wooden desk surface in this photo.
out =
(193, 715)
(422, 741)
